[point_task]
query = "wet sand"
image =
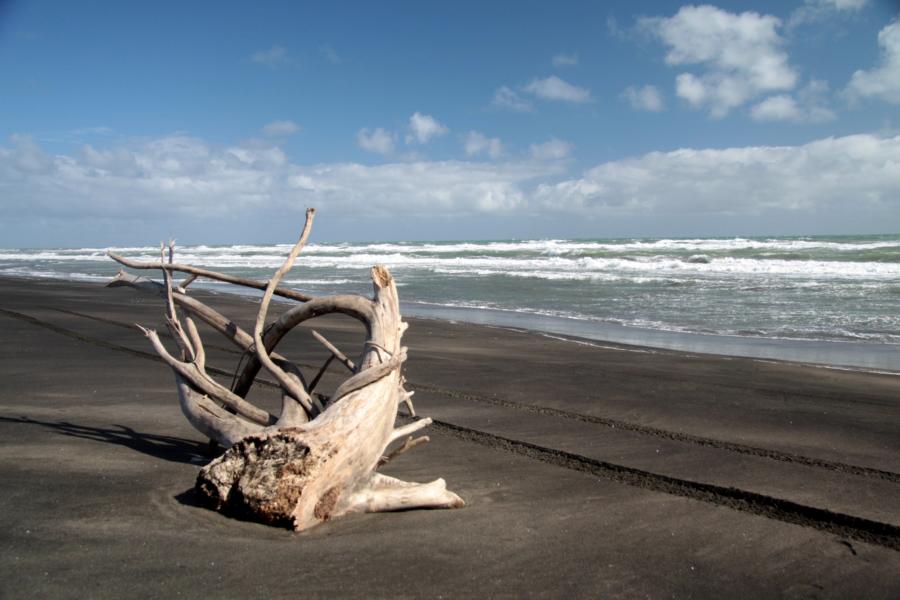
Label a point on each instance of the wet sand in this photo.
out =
(589, 471)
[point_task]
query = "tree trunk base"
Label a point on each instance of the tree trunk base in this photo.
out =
(266, 478)
(262, 477)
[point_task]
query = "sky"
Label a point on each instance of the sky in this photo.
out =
(220, 122)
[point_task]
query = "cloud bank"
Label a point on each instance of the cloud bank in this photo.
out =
(179, 175)
(185, 176)
(859, 171)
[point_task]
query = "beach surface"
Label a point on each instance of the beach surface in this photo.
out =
(589, 469)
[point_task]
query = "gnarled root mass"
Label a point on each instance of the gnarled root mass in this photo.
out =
(317, 459)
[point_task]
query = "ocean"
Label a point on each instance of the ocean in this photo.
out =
(826, 299)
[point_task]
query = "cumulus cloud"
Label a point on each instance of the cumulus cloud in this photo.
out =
(777, 108)
(379, 141)
(565, 60)
(808, 107)
(741, 55)
(647, 97)
(423, 128)
(554, 88)
(184, 176)
(476, 143)
(280, 128)
(506, 97)
(882, 82)
(859, 170)
(553, 149)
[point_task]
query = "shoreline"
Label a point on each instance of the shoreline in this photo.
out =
(863, 356)
(870, 357)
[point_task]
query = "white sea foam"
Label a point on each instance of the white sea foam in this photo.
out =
(541, 267)
(588, 267)
(809, 288)
(553, 247)
(68, 275)
(320, 281)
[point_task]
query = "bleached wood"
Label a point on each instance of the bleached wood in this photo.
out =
(209, 419)
(288, 384)
(407, 445)
(210, 316)
(408, 429)
(205, 384)
(357, 307)
(314, 462)
(388, 494)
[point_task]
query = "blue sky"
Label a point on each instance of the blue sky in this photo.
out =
(218, 122)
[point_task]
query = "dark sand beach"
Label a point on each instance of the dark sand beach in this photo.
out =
(588, 471)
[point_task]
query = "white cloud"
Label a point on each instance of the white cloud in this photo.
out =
(505, 97)
(741, 53)
(180, 176)
(380, 140)
(809, 107)
(476, 143)
(554, 88)
(565, 60)
(280, 128)
(644, 98)
(553, 149)
(423, 128)
(176, 174)
(777, 108)
(830, 174)
(418, 188)
(274, 57)
(882, 82)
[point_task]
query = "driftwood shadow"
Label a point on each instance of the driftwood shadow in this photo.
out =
(191, 498)
(174, 449)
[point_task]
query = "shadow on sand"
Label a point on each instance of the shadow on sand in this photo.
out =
(169, 448)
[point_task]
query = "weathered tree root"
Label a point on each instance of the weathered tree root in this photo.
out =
(316, 460)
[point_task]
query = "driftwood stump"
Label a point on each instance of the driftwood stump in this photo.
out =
(317, 459)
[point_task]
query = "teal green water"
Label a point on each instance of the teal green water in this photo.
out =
(821, 288)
